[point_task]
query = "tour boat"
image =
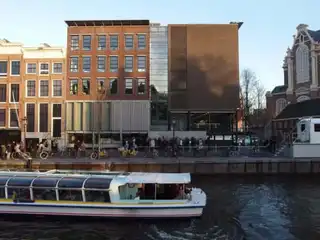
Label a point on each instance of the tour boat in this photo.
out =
(100, 194)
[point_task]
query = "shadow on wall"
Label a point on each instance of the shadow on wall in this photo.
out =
(203, 83)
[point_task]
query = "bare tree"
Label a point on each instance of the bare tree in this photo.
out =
(260, 92)
(247, 86)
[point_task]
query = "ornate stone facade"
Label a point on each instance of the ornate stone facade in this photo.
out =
(301, 77)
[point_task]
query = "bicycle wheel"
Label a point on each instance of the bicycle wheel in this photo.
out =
(14, 155)
(44, 155)
(94, 156)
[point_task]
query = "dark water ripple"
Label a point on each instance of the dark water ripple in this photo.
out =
(271, 208)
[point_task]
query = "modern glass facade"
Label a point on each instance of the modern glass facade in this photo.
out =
(159, 76)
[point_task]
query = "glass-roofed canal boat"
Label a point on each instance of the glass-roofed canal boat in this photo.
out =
(100, 194)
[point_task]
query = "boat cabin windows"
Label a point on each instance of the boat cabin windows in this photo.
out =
(21, 193)
(70, 195)
(97, 196)
(152, 192)
(44, 194)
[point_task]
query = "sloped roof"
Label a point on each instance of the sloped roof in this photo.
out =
(301, 109)
(279, 89)
(315, 34)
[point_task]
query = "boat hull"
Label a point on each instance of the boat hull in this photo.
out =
(102, 211)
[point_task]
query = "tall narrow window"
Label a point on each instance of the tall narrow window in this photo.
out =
(128, 41)
(142, 41)
(57, 68)
(102, 42)
(128, 63)
(14, 116)
(3, 92)
(101, 63)
(15, 93)
(57, 88)
(113, 64)
(74, 42)
(114, 42)
(44, 117)
(3, 117)
(100, 84)
(128, 86)
(56, 120)
(86, 86)
(30, 117)
(44, 88)
(113, 86)
(15, 68)
(74, 64)
(31, 68)
(86, 42)
(302, 64)
(142, 62)
(86, 64)
(31, 88)
(73, 86)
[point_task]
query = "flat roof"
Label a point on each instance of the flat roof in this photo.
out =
(98, 23)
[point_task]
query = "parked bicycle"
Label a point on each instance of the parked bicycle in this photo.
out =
(23, 155)
(127, 152)
(96, 154)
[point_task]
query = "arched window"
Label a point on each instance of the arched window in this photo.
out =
(302, 64)
(303, 98)
(280, 105)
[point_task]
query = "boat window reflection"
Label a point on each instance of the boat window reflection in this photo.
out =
(97, 196)
(2, 192)
(44, 194)
(70, 195)
(21, 193)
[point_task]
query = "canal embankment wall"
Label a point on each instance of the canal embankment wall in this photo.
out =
(244, 166)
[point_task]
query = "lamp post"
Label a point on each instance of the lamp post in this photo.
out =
(25, 123)
(173, 128)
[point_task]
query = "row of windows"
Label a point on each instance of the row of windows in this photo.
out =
(101, 63)
(44, 88)
(31, 68)
(112, 86)
(113, 42)
(31, 90)
(43, 118)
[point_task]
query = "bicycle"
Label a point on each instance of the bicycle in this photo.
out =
(127, 152)
(95, 154)
(24, 155)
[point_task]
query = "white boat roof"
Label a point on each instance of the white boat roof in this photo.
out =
(161, 178)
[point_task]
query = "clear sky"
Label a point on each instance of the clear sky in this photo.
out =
(264, 37)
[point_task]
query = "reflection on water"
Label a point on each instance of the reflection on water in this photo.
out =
(238, 208)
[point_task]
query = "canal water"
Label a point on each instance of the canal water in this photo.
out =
(275, 208)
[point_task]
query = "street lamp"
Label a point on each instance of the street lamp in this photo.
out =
(173, 128)
(25, 123)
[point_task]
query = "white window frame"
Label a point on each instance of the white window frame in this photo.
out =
(7, 73)
(61, 68)
(128, 69)
(44, 74)
(125, 35)
(14, 75)
(9, 118)
(27, 68)
(281, 104)
(99, 48)
(78, 65)
(138, 41)
(109, 87)
(71, 48)
(10, 91)
(105, 63)
(145, 69)
(26, 89)
(110, 63)
(69, 85)
(98, 81)
(39, 90)
(145, 86)
(35, 113)
(113, 48)
(53, 118)
(52, 88)
(6, 118)
(82, 42)
(132, 87)
(86, 56)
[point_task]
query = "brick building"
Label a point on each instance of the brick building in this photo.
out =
(301, 82)
(108, 79)
(31, 91)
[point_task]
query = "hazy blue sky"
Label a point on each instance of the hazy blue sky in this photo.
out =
(266, 33)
